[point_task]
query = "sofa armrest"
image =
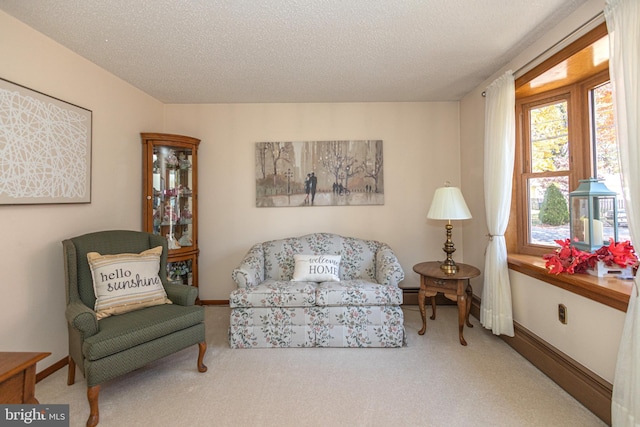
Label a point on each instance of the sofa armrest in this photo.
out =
(181, 294)
(82, 318)
(388, 268)
(250, 272)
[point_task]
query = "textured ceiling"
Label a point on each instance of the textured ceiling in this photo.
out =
(236, 51)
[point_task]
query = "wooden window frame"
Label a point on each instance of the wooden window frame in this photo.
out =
(524, 257)
(580, 152)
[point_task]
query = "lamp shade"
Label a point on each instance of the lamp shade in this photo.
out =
(448, 204)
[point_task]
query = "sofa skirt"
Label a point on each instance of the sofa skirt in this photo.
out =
(343, 326)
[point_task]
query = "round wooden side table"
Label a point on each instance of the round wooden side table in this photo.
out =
(455, 287)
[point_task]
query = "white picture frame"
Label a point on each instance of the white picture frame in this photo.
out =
(45, 148)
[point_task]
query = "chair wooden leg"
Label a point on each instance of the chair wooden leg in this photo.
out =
(92, 395)
(71, 374)
(203, 348)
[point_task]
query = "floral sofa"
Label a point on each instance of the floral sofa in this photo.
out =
(359, 306)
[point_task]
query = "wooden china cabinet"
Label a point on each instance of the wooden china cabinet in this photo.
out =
(170, 202)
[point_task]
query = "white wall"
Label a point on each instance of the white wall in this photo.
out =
(591, 337)
(592, 333)
(32, 301)
(421, 151)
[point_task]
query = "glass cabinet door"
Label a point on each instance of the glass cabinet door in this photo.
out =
(183, 270)
(173, 195)
(170, 202)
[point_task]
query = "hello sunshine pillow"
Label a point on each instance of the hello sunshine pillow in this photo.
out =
(126, 282)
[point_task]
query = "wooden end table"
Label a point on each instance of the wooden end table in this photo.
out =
(455, 287)
(18, 377)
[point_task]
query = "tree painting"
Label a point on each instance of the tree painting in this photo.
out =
(319, 173)
(373, 166)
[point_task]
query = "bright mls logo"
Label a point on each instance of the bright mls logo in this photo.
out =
(34, 415)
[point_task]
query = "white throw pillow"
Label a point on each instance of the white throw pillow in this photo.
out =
(126, 282)
(316, 268)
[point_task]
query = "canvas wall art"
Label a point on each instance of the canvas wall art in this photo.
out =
(319, 173)
(45, 148)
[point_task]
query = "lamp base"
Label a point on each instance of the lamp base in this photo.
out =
(449, 268)
(448, 265)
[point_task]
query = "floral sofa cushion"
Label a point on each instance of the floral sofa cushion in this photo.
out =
(275, 293)
(357, 292)
(281, 293)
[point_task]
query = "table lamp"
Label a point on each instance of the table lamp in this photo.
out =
(448, 204)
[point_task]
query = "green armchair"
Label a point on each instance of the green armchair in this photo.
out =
(107, 348)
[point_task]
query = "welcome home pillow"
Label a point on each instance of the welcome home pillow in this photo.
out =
(316, 268)
(126, 282)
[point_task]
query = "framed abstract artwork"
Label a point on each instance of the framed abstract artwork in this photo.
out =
(319, 173)
(45, 148)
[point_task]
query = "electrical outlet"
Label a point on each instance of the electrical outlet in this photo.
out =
(562, 314)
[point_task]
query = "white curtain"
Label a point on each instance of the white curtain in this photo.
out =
(623, 24)
(499, 151)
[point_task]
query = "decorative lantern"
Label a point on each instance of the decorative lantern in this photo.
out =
(593, 212)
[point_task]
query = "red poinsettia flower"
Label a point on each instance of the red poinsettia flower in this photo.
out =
(621, 253)
(566, 259)
(554, 265)
(571, 260)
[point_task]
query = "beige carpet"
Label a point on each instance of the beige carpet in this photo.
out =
(433, 381)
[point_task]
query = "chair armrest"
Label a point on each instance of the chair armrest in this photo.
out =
(82, 318)
(388, 269)
(250, 272)
(181, 294)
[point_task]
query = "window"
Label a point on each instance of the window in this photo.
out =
(547, 168)
(565, 132)
(606, 162)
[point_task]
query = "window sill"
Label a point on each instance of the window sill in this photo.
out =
(608, 291)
